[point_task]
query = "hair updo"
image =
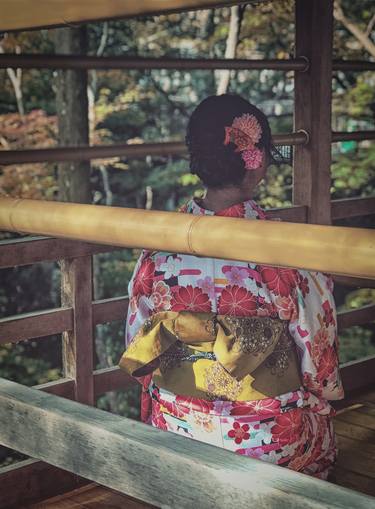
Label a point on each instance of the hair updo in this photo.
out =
(216, 164)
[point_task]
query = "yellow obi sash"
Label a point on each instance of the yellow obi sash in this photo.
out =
(211, 356)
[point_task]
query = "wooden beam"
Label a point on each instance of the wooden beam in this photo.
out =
(147, 463)
(109, 310)
(294, 214)
(78, 344)
(111, 379)
(135, 151)
(63, 387)
(53, 61)
(29, 250)
(352, 207)
(105, 380)
(360, 316)
(312, 112)
(33, 61)
(37, 324)
(354, 282)
(353, 135)
(359, 374)
(32, 481)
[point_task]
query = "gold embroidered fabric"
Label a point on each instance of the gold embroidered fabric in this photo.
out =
(212, 356)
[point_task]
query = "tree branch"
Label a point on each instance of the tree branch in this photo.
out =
(361, 36)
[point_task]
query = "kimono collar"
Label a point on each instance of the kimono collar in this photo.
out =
(247, 209)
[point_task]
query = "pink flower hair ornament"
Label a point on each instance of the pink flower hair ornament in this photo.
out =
(245, 132)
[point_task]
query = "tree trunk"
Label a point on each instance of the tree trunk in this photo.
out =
(72, 112)
(230, 50)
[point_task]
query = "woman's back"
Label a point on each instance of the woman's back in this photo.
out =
(236, 354)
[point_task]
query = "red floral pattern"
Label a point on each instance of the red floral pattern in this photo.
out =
(239, 432)
(144, 278)
(327, 363)
(158, 419)
(279, 281)
(264, 407)
(187, 404)
(286, 307)
(161, 296)
(188, 298)
(237, 301)
(288, 427)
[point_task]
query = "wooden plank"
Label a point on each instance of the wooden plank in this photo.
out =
(63, 387)
(92, 496)
(138, 460)
(357, 448)
(312, 112)
(28, 250)
(35, 325)
(354, 282)
(360, 316)
(358, 374)
(370, 410)
(294, 214)
(358, 418)
(78, 344)
(32, 480)
(350, 430)
(105, 380)
(352, 207)
(109, 310)
(354, 481)
(111, 379)
(355, 460)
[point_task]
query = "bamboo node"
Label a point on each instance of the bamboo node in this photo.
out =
(190, 233)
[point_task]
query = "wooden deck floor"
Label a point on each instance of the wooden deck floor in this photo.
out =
(355, 430)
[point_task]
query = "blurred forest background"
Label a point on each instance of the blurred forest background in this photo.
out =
(154, 105)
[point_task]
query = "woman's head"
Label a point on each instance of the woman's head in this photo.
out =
(215, 154)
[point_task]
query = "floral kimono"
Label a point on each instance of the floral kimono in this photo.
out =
(239, 355)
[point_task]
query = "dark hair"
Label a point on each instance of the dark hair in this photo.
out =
(216, 164)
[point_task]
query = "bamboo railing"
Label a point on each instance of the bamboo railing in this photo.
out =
(333, 249)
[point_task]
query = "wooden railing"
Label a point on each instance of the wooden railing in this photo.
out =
(154, 467)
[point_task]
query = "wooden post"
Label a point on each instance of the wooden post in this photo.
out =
(313, 39)
(78, 344)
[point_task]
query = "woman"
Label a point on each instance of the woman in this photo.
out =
(235, 354)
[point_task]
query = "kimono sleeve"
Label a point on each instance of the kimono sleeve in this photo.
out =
(315, 333)
(139, 290)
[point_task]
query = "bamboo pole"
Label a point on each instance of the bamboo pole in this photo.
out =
(337, 250)
(28, 14)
